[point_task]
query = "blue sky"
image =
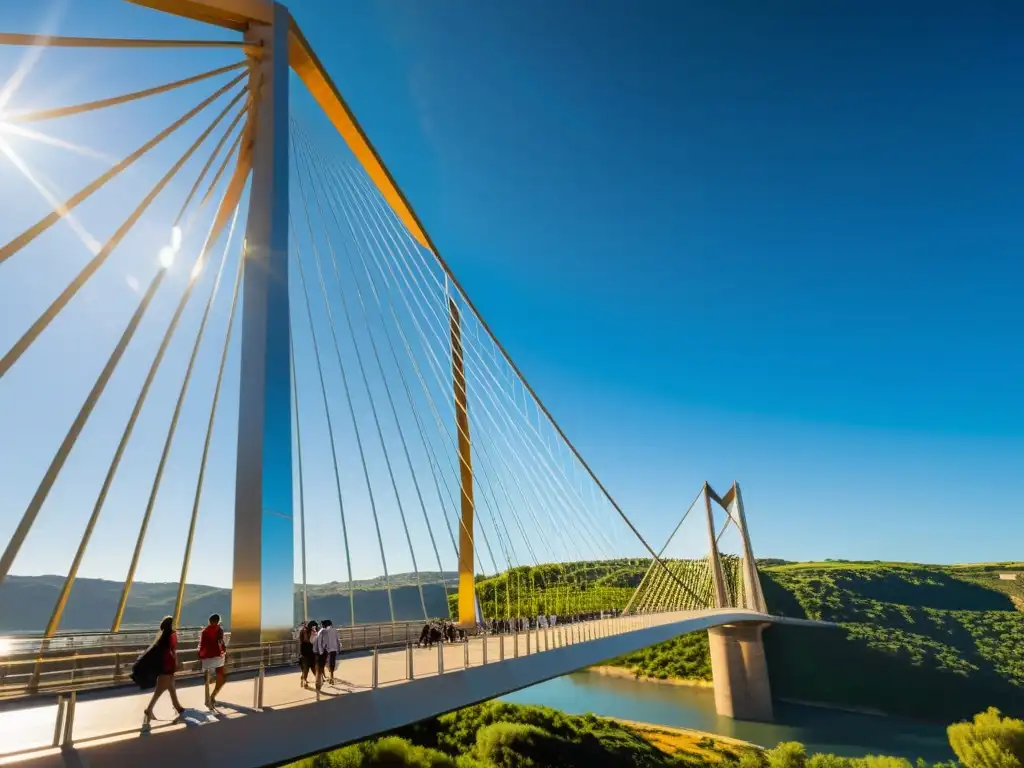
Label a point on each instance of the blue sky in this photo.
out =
(723, 242)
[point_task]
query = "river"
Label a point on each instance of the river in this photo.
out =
(821, 730)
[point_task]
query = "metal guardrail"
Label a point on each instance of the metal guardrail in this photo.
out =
(98, 660)
(535, 639)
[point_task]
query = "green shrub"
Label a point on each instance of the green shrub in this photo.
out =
(820, 760)
(787, 754)
(880, 761)
(989, 741)
(511, 745)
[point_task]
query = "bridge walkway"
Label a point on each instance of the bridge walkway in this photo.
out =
(30, 730)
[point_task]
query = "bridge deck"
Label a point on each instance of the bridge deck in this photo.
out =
(112, 720)
(107, 720)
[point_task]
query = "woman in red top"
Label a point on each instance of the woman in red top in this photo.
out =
(168, 643)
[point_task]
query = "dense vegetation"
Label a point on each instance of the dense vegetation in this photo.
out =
(498, 735)
(923, 641)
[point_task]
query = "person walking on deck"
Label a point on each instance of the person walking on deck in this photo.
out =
(167, 645)
(327, 647)
(213, 655)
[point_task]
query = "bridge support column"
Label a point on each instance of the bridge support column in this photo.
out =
(740, 672)
(467, 587)
(263, 585)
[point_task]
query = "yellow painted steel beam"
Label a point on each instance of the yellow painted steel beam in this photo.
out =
(467, 588)
(238, 14)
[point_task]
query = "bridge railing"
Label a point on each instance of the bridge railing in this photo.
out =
(104, 660)
(383, 666)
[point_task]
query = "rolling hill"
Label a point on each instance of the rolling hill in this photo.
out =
(26, 602)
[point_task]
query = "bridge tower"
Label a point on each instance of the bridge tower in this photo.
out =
(263, 579)
(739, 668)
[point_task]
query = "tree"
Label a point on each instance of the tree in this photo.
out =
(989, 741)
(787, 754)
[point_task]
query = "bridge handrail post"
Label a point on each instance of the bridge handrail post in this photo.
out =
(58, 725)
(465, 654)
(408, 661)
(515, 645)
(374, 670)
(260, 677)
(440, 657)
(484, 638)
(69, 720)
(501, 647)
(527, 641)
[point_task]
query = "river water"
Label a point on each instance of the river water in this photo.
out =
(821, 730)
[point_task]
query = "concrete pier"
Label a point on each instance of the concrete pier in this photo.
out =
(740, 672)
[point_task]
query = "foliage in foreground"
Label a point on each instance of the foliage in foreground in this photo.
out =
(499, 735)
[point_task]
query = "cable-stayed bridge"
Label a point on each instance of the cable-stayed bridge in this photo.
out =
(230, 352)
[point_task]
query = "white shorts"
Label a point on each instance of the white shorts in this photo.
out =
(215, 663)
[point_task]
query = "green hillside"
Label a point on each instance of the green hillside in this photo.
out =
(26, 602)
(500, 735)
(917, 640)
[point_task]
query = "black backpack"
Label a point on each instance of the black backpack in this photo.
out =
(147, 667)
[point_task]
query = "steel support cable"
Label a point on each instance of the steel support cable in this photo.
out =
(487, 503)
(435, 465)
(491, 489)
(32, 511)
(115, 462)
(232, 151)
(544, 409)
(428, 448)
(64, 450)
(302, 492)
(436, 314)
(62, 210)
(90, 106)
(539, 479)
(359, 358)
(210, 160)
(555, 482)
(398, 423)
(668, 541)
(171, 430)
(480, 356)
(58, 304)
(412, 357)
(532, 475)
(543, 497)
(201, 476)
(330, 427)
(355, 424)
(428, 346)
(58, 41)
(496, 400)
(408, 349)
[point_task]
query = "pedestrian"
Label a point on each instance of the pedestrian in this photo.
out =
(167, 643)
(212, 656)
(307, 659)
(327, 646)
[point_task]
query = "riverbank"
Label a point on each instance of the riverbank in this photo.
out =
(627, 674)
(672, 740)
(693, 708)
